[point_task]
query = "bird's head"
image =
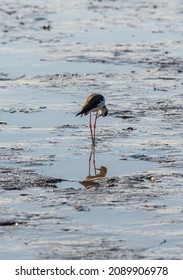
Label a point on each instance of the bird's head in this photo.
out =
(103, 112)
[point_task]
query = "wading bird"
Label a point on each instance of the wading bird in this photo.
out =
(94, 103)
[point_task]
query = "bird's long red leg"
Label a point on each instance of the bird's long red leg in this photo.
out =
(91, 128)
(95, 125)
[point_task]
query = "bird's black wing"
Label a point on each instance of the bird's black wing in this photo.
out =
(94, 102)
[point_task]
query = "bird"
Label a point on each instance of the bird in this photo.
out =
(94, 103)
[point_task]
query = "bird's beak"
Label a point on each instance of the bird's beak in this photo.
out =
(99, 116)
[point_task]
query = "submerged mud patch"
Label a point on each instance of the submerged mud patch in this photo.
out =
(136, 206)
(18, 179)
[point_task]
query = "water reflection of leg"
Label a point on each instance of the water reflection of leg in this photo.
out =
(92, 155)
(94, 163)
(89, 164)
(90, 179)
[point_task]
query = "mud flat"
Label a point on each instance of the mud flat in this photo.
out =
(60, 198)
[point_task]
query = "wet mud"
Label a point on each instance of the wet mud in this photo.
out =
(60, 197)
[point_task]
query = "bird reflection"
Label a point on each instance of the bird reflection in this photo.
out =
(90, 180)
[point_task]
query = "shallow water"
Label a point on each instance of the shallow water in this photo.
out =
(61, 199)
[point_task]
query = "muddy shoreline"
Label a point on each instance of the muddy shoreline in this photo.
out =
(60, 199)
